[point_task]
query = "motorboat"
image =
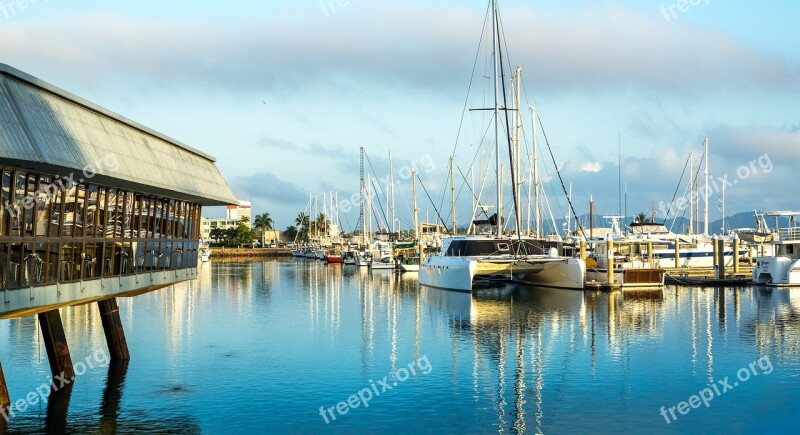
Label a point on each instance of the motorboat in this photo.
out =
(783, 268)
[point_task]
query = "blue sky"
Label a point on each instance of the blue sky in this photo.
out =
(393, 75)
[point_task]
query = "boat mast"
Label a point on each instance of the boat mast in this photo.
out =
(363, 197)
(497, 120)
(706, 191)
(723, 209)
(515, 163)
(453, 198)
(391, 182)
(691, 193)
(536, 187)
(416, 210)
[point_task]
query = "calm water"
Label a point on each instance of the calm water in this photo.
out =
(260, 347)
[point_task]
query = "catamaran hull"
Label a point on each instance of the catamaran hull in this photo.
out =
(777, 272)
(569, 274)
(448, 273)
(453, 273)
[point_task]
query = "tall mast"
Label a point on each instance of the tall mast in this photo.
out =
(497, 120)
(691, 194)
(391, 182)
(515, 163)
(723, 209)
(536, 187)
(453, 199)
(706, 190)
(416, 210)
(363, 197)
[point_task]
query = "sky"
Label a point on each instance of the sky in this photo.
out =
(284, 93)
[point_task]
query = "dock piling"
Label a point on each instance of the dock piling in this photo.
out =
(583, 250)
(55, 342)
(112, 327)
(677, 253)
(610, 265)
(5, 399)
(650, 253)
(736, 255)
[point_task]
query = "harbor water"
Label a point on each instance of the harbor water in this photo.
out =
(303, 347)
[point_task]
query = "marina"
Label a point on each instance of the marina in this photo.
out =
(399, 217)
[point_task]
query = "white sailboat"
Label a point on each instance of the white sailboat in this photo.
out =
(466, 260)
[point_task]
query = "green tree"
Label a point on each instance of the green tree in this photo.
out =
(303, 222)
(242, 234)
(262, 224)
(291, 231)
(642, 218)
(217, 235)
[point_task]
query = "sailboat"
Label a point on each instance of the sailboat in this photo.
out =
(464, 261)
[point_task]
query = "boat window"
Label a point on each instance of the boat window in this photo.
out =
(459, 248)
(502, 246)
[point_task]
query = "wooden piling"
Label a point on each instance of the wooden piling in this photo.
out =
(5, 399)
(677, 253)
(650, 254)
(610, 261)
(583, 250)
(112, 327)
(721, 261)
(736, 255)
(55, 342)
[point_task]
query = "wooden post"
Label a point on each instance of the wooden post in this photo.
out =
(650, 256)
(715, 255)
(55, 342)
(583, 250)
(677, 253)
(421, 253)
(610, 262)
(5, 399)
(112, 327)
(736, 255)
(721, 251)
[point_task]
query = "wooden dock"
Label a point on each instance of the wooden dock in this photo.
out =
(705, 276)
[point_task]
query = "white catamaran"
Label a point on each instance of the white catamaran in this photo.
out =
(466, 260)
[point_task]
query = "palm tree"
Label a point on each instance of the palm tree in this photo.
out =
(642, 218)
(302, 220)
(321, 223)
(262, 223)
(291, 231)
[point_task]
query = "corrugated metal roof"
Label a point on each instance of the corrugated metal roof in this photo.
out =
(47, 129)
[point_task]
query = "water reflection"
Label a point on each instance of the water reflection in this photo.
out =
(511, 358)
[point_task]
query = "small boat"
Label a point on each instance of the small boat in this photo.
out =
(408, 264)
(349, 258)
(386, 263)
(298, 253)
(335, 259)
(363, 259)
(783, 268)
(205, 255)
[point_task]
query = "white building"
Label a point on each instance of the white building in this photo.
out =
(237, 212)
